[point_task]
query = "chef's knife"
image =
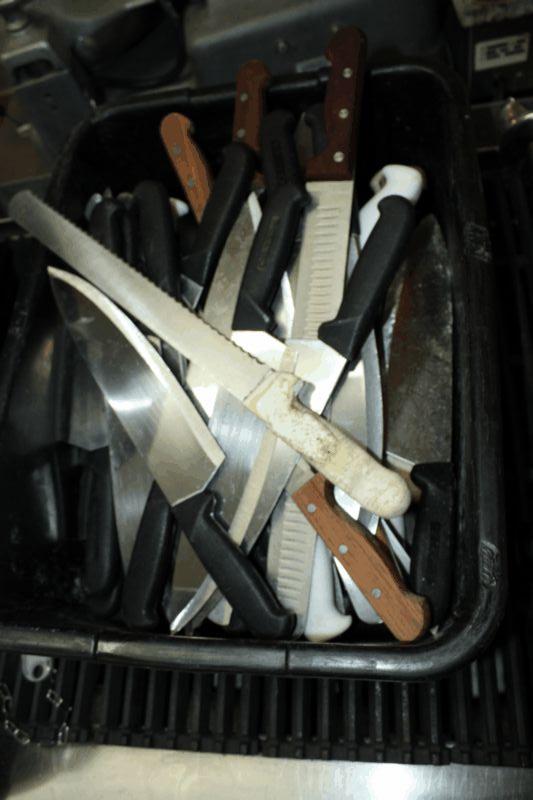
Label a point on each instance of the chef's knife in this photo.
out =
(420, 408)
(268, 393)
(172, 437)
(276, 460)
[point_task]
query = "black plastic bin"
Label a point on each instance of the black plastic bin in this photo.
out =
(413, 114)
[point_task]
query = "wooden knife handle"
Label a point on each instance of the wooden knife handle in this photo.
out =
(346, 53)
(252, 80)
(366, 560)
(190, 165)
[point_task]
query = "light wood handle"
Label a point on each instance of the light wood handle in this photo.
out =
(366, 560)
(189, 164)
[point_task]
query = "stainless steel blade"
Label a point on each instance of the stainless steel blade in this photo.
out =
(152, 407)
(324, 246)
(268, 394)
(165, 317)
(131, 482)
(237, 430)
(420, 370)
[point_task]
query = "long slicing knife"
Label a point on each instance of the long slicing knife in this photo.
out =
(171, 436)
(270, 394)
(319, 281)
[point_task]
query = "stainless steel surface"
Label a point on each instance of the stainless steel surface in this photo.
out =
(151, 405)
(89, 772)
(131, 481)
(420, 370)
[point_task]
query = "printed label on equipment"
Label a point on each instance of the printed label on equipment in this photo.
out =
(501, 52)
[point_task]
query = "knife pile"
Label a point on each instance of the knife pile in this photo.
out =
(253, 482)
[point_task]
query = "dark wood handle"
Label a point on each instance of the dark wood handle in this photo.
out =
(366, 560)
(346, 53)
(252, 80)
(190, 165)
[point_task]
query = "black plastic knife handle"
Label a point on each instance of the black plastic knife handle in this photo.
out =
(237, 578)
(230, 190)
(102, 569)
(278, 151)
(433, 538)
(273, 243)
(314, 118)
(105, 224)
(150, 565)
(379, 260)
(159, 243)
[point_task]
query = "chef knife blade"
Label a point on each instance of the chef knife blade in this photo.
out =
(172, 437)
(420, 407)
(268, 393)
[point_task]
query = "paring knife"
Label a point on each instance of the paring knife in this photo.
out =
(276, 460)
(222, 202)
(270, 394)
(419, 387)
(169, 433)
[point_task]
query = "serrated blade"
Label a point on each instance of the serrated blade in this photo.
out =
(165, 317)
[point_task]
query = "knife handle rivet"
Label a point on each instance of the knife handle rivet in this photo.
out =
(343, 549)
(343, 113)
(338, 156)
(176, 149)
(243, 97)
(376, 593)
(191, 182)
(347, 72)
(311, 508)
(241, 133)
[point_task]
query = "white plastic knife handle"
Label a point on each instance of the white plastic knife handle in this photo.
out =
(324, 621)
(393, 179)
